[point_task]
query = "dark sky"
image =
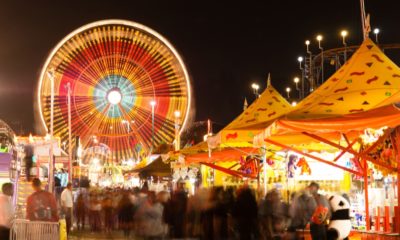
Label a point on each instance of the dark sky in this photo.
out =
(225, 45)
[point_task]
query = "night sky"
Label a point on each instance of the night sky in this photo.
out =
(226, 45)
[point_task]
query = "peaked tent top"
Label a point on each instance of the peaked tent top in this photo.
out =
(269, 106)
(366, 80)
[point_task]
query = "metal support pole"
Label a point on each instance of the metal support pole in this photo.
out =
(177, 135)
(367, 221)
(69, 134)
(322, 65)
(265, 169)
(51, 163)
(152, 127)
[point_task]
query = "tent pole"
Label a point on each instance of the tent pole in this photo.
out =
(367, 222)
(265, 169)
(313, 157)
(363, 154)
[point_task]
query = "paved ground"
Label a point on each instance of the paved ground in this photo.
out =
(119, 236)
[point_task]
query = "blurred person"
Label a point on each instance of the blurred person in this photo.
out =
(94, 212)
(245, 211)
(108, 213)
(126, 212)
(178, 206)
(274, 216)
(6, 210)
(41, 205)
(221, 210)
(80, 210)
(149, 218)
(195, 208)
(67, 204)
(28, 160)
(163, 198)
(321, 213)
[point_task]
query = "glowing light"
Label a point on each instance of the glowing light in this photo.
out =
(376, 30)
(255, 86)
(288, 89)
(307, 42)
(300, 59)
(294, 103)
(152, 103)
(343, 33)
(31, 140)
(96, 161)
(371, 135)
(296, 80)
(177, 114)
(47, 137)
(114, 96)
(319, 38)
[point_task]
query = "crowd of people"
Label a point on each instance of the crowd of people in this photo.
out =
(211, 213)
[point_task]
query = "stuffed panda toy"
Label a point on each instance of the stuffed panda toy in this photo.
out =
(339, 224)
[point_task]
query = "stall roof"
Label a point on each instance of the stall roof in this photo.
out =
(225, 155)
(290, 131)
(364, 82)
(155, 167)
(262, 111)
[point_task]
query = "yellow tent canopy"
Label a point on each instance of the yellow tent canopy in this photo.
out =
(364, 82)
(263, 111)
(269, 106)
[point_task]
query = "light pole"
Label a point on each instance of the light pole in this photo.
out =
(301, 90)
(308, 45)
(152, 104)
(296, 81)
(344, 35)
(288, 92)
(376, 32)
(69, 133)
(177, 135)
(255, 88)
(319, 39)
(50, 75)
(309, 68)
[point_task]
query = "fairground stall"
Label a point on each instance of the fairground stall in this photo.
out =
(8, 153)
(229, 158)
(349, 124)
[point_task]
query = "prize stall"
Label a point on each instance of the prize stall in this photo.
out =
(351, 118)
(229, 158)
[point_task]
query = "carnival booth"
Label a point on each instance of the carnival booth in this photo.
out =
(347, 116)
(152, 169)
(7, 152)
(229, 158)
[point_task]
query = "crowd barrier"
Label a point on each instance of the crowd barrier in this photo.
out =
(23, 229)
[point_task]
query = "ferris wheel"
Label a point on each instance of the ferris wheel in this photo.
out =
(126, 82)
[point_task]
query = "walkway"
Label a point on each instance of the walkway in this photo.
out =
(117, 235)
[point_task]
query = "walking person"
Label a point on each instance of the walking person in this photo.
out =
(321, 213)
(178, 206)
(245, 213)
(41, 205)
(67, 204)
(80, 210)
(6, 210)
(126, 211)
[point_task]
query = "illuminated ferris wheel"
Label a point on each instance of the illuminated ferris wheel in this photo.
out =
(126, 83)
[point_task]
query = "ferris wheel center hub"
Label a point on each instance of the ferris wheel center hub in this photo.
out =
(114, 96)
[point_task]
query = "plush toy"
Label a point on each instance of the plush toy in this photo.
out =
(339, 225)
(292, 166)
(305, 168)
